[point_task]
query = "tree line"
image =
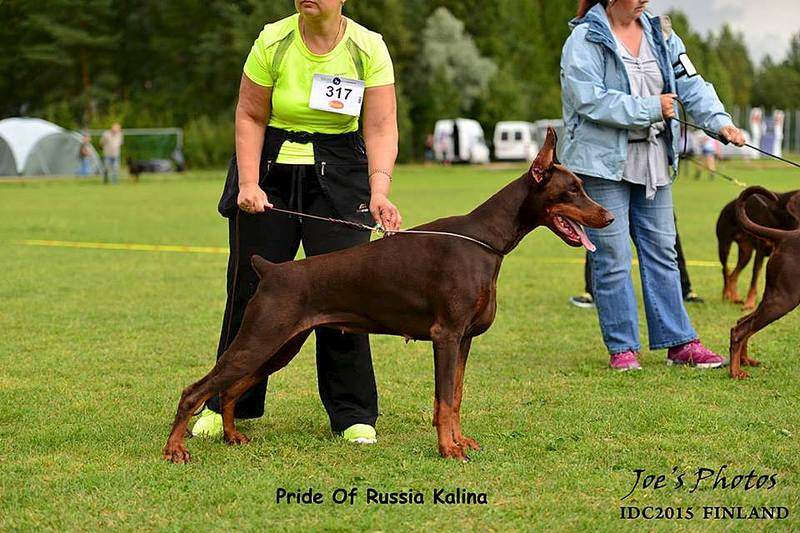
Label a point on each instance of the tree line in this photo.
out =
(151, 63)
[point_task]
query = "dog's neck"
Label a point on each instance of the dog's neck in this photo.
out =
(505, 218)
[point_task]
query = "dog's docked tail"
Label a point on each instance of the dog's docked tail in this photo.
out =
(260, 265)
(764, 232)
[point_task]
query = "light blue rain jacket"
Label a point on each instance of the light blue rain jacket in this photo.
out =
(597, 102)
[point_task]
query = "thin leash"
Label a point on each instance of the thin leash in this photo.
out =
(716, 172)
(723, 140)
(380, 229)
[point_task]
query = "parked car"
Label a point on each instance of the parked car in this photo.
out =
(514, 141)
(460, 140)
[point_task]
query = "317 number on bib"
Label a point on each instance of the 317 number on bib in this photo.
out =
(337, 95)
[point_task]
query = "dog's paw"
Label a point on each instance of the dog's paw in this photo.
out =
(453, 451)
(467, 443)
(236, 438)
(751, 362)
(177, 453)
(741, 374)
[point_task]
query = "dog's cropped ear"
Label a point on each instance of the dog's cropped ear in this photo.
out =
(547, 157)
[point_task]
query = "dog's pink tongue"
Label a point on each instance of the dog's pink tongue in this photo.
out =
(589, 245)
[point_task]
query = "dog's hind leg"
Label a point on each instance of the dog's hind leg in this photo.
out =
(241, 360)
(192, 398)
(463, 353)
(750, 302)
(227, 401)
(229, 396)
(445, 359)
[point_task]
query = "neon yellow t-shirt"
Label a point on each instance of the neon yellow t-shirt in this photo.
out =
(281, 60)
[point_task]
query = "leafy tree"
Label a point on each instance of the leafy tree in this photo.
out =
(731, 50)
(156, 63)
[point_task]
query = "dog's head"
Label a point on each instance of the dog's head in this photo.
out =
(564, 206)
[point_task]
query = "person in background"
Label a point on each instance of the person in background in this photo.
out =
(84, 155)
(111, 141)
(690, 150)
(709, 153)
(430, 155)
(619, 81)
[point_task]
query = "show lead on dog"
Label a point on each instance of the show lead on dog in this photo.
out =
(306, 82)
(621, 71)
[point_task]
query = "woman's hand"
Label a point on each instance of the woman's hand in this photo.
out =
(668, 105)
(252, 199)
(384, 212)
(733, 134)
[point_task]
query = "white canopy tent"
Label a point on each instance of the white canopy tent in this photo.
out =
(35, 147)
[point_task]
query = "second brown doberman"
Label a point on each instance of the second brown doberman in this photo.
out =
(439, 288)
(764, 212)
(782, 290)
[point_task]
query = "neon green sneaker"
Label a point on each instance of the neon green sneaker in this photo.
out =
(208, 425)
(360, 434)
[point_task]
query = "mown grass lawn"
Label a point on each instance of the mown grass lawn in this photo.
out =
(95, 346)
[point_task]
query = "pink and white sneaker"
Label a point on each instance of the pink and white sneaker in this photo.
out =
(624, 361)
(694, 354)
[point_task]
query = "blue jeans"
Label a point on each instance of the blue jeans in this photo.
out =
(112, 168)
(84, 169)
(651, 225)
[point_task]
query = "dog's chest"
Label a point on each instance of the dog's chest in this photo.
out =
(485, 308)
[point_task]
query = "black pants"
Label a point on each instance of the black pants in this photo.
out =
(686, 283)
(344, 364)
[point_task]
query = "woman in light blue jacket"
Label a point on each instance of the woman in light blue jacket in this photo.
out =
(621, 71)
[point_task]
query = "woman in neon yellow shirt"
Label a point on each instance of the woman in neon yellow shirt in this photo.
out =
(307, 80)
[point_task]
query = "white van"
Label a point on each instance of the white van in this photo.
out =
(514, 141)
(467, 146)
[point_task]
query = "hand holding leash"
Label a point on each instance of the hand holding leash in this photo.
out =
(732, 134)
(385, 212)
(668, 105)
(252, 199)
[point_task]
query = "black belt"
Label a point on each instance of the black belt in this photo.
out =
(646, 139)
(305, 137)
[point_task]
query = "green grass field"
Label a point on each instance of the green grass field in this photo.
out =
(96, 345)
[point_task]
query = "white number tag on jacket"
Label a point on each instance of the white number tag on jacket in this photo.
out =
(337, 95)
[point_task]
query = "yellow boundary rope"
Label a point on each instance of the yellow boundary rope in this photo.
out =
(219, 250)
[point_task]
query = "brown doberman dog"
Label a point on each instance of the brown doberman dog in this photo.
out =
(782, 291)
(763, 211)
(439, 288)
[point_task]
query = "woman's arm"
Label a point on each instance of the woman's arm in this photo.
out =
(582, 81)
(381, 137)
(252, 114)
(700, 98)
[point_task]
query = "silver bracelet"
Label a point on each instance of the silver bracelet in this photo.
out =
(381, 171)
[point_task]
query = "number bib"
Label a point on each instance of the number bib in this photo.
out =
(337, 95)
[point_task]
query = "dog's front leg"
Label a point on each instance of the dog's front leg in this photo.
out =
(745, 253)
(752, 294)
(445, 360)
(739, 338)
